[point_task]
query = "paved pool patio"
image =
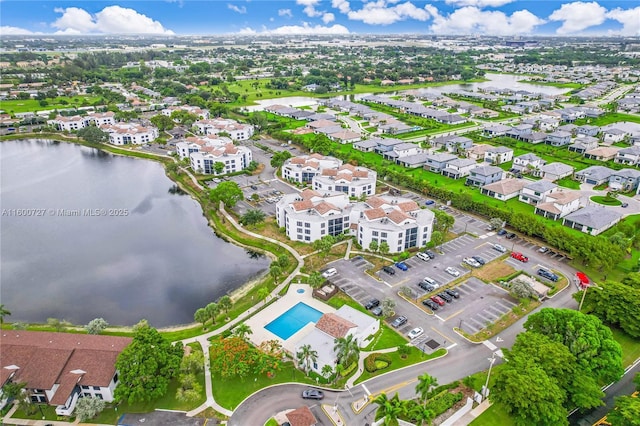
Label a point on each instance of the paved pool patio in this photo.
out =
(297, 293)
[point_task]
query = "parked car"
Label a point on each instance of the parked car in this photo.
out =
(445, 296)
(429, 202)
(625, 205)
(402, 266)
(426, 287)
(431, 282)
(415, 333)
(423, 256)
(510, 236)
(548, 275)
(389, 270)
(399, 321)
(519, 256)
(438, 300)
(254, 187)
(499, 248)
(372, 304)
(377, 311)
(543, 250)
(329, 272)
(453, 292)
(430, 304)
(502, 232)
(471, 262)
(312, 394)
(430, 254)
(452, 271)
(479, 260)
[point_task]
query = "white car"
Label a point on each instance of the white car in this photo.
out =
(499, 248)
(431, 282)
(471, 262)
(415, 333)
(329, 272)
(452, 271)
(423, 256)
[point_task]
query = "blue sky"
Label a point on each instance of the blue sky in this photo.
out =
(187, 17)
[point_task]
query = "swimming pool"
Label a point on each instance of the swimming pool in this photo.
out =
(290, 322)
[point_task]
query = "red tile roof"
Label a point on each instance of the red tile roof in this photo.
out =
(397, 216)
(301, 417)
(334, 325)
(374, 214)
(375, 202)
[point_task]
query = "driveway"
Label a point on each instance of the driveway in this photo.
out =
(587, 191)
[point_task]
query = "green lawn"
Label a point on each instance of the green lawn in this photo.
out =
(607, 201)
(493, 416)
(386, 337)
(630, 346)
(28, 105)
(608, 118)
(229, 393)
(271, 422)
(414, 357)
(568, 183)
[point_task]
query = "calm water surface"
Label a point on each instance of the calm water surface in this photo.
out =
(150, 256)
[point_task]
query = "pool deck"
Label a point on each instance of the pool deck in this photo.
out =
(280, 306)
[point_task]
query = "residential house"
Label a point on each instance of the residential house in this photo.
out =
(437, 162)
(548, 124)
(534, 137)
(234, 158)
(59, 368)
(554, 171)
(68, 124)
(558, 204)
(588, 130)
(520, 130)
(484, 175)
(571, 128)
(451, 143)
(345, 136)
(129, 133)
(354, 181)
(504, 189)
(315, 125)
(102, 118)
(594, 175)
(527, 162)
(625, 180)
(366, 145)
(535, 192)
(401, 150)
(498, 155)
(304, 168)
(196, 144)
(613, 135)
(386, 145)
(476, 152)
(629, 156)
(602, 153)
(583, 144)
(558, 138)
(458, 168)
(236, 131)
(496, 130)
(201, 114)
(592, 220)
(413, 161)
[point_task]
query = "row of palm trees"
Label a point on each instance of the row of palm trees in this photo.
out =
(347, 352)
(391, 409)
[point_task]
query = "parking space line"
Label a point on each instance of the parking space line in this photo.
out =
(442, 335)
(453, 315)
(387, 284)
(490, 345)
(438, 316)
(451, 346)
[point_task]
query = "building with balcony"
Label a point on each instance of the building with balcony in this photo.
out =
(352, 180)
(216, 126)
(304, 168)
(129, 133)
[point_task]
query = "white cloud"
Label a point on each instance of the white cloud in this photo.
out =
(285, 12)
(578, 16)
(342, 5)
(629, 18)
(238, 9)
(380, 13)
(479, 3)
(471, 20)
(310, 7)
(110, 20)
(328, 17)
(304, 29)
(7, 30)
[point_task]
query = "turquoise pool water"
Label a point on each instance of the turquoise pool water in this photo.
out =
(290, 322)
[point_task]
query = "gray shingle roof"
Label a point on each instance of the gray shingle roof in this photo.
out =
(594, 217)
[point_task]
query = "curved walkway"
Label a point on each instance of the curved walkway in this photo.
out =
(203, 339)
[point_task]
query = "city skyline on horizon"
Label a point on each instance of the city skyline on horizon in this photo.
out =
(506, 18)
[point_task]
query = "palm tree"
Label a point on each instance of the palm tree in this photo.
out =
(327, 371)
(306, 356)
(347, 349)
(242, 331)
(422, 414)
(424, 384)
(388, 409)
(3, 313)
(339, 369)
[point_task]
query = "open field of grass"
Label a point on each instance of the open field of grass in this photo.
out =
(13, 106)
(630, 346)
(494, 415)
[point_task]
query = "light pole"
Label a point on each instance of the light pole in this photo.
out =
(485, 391)
(584, 293)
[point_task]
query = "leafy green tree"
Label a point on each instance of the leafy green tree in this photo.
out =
(347, 349)
(228, 192)
(263, 293)
(383, 247)
(218, 167)
(422, 413)
(625, 313)
(232, 357)
(307, 357)
(88, 407)
(56, 324)
(389, 410)
(327, 371)
(279, 158)
(212, 309)
(315, 279)
(225, 303)
(93, 134)
(522, 290)
(275, 270)
(189, 388)
(96, 326)
(162, 122)
(19, 325)
(283, 261)
(374, 246)
(495, 223)
(388, 305)
(201, 315)
(324, 244)
(626, 412)
(443, 221)
(593, 345)
(252, 216)
(242, 331)
(13, 390)
(437, 238)
(192, 363)
(4, 312)
(147, 366)
(425, 382)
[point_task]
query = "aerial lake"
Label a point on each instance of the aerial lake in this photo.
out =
(87, 234)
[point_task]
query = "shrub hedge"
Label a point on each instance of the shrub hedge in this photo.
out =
(376, 361)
